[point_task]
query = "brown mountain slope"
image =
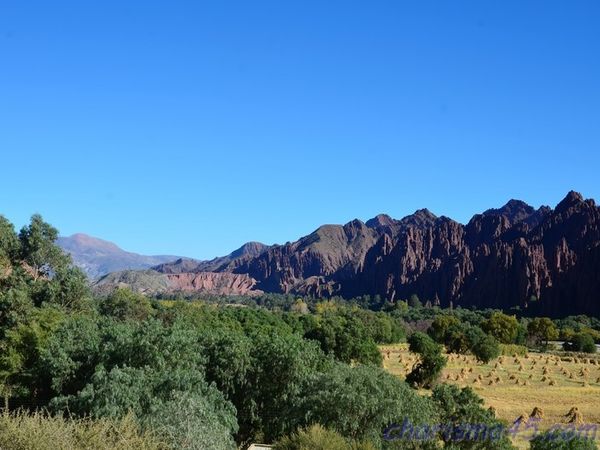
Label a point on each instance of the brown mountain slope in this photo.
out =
(514, 256)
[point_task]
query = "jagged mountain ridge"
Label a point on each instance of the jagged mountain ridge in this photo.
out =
(545, 259)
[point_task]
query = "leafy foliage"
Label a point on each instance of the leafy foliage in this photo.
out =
(428, 369)
(556, 439)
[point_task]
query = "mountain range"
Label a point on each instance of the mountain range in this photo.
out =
(97, 257)
(516, 256)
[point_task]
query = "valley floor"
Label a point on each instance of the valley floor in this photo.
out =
(515, 385)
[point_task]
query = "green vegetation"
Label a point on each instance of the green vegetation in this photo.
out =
(37, 431)
(581, 342)
(431, 362)
(562, 440)
(127, 371)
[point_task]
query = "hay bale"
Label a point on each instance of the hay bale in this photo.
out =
(512, 377)
(576, 417)
(572, 411)
(522, 419)
(537, 413)
(552, 383)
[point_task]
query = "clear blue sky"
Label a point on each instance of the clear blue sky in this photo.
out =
(190, 127)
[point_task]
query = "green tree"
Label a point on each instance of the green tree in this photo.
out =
(9, 244)
(502, 326)
(38, 248)
(581, 342)
(414, 301)
(441, 326)
(360, 402)
(431, 361)
(467, 424)
(20, 353)
(541, 330)
(124, 304)
(273, 387)
(483, 346)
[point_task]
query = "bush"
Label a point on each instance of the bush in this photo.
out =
(486, 349)
(562, 440)
(511, 349)
(38, 431)
(581, 342)
(318, 438)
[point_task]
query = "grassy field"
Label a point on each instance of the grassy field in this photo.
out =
(515, 385)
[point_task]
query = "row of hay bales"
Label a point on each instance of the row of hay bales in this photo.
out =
(573, 416)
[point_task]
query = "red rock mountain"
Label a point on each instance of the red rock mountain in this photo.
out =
(547, 260)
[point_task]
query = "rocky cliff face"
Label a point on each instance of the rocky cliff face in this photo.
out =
(546, 260)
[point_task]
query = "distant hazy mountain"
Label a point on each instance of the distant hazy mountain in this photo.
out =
(186, 275)
(97, 257)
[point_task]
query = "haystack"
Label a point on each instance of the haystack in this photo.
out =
(522, 419)
(537, 413)
(576, 417)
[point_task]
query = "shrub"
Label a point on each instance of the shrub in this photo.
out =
(39, 431)
(512, 349)
(486, 349)
(562, 440)
(581, 342)
(318, 438)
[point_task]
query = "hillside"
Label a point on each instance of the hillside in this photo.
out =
(97, 257)
(545, 259)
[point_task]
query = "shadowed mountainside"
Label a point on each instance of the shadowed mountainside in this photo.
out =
(544, 259)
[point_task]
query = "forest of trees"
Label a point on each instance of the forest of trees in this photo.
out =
(222, 373)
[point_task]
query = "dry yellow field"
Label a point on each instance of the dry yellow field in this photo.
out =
(514, 385)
